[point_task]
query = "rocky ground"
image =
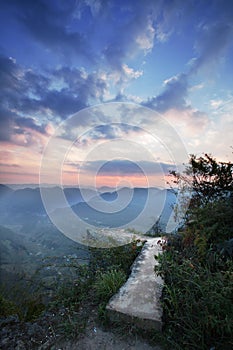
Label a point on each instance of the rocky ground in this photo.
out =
(18, 335)
(96, 338)
(41, 335)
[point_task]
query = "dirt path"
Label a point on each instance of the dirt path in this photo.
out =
(97, 339)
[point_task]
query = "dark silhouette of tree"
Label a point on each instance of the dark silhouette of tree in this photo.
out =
(207, 179)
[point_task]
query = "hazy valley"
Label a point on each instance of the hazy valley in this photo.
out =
(31, 244)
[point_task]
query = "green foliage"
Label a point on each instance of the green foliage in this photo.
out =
(92, 285)
(74, 290)
(7, 307)
(108, 283)
(70, 300)
(105, 286)
(122, 257)
(207, 178)
(156, 230)
(31, 309)
(27, 306)
(197, 263)
(197, 303)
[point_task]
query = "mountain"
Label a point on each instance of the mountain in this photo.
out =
(77, 195)
(42, 256)
(109, 196)
(136, 208)
(29, 240)
(13, 247)
(105, 209)
(5, 191)
(21, 204)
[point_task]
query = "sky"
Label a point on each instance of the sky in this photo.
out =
(111, 92)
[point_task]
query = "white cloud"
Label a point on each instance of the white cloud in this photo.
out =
(188, 122)
(131, 73)
(171, 80)
(145, 39)
(215, 104)
(197, 87)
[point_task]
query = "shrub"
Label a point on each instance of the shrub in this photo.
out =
(108, 283)
(122, 257)
(7, 307)
(197, 304)
(197, 263)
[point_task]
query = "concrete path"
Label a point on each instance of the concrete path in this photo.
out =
(138, 300)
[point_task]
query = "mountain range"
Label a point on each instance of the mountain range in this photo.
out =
(28, 237)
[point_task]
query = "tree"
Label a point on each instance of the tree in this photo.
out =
(208, 220)
(207, 179)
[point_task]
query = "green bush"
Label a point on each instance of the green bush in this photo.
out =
(108, 283)
(27, 310)
(7, 307)
(72, 296)
(31, 309)
(197, 264)
(197, 304)
(122, 257)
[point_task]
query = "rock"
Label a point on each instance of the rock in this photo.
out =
(9, 320)
(20, 345)
(138, 300)
(34, 329)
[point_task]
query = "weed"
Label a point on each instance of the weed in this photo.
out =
(108, 283)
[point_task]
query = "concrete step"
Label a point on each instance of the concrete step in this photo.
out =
(138, 300)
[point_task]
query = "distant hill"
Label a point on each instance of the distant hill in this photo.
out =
(25, 206)
(28, 238)
(118, 208)
(5, 190)
(17, 205)
(13, 247)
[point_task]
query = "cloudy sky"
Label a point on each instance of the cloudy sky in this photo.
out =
(162, 69)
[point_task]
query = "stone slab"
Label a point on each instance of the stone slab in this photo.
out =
(138, 300)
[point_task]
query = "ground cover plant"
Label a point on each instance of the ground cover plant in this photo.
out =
(64, 306)
(197, 263)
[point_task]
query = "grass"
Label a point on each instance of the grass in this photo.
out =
(108, 283)
(83, 288)
(198, 305)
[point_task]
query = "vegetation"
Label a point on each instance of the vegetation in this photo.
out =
(81, 289)
(197, 263)
(197, 266)
(7, 307)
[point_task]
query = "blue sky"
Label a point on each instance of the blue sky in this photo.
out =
(59, 57)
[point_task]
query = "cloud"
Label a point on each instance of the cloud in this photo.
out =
(9, 73)
(47, 23)
(213, 38)
(130, 33)
(74, 28)
(9, 165)
(55, 96)
(188, 122)
(68, 91)
(29, 123)
(134, 34)
(106, 132)
(211, 45)
(173, 96)
(122, 167)
(13, 92)
(29, 97)
(6, 124)
(215, 104)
